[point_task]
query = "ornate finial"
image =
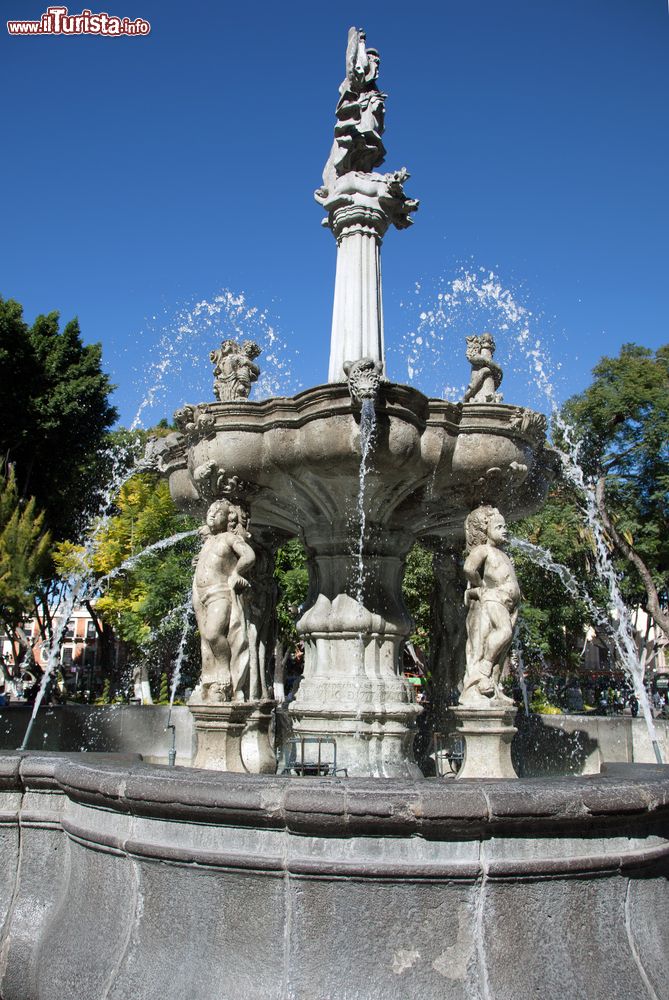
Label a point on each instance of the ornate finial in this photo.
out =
(234, 369)
(365, 378)
(486, 374)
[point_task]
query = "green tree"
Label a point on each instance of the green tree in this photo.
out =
(24, 549)
(551, 622)
(291, 575)
(418, 587)
(622, 422)
(54, 415)
(146, 602)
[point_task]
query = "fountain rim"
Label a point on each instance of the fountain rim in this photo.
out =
(431, 808)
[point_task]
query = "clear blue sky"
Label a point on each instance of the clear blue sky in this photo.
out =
(144, 175)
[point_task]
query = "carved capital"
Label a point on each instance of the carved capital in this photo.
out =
(367, 204)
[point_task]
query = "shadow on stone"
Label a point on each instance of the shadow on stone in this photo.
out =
(543, 749)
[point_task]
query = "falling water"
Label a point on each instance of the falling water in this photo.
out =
(81, 584)
(520, 670)
(226, 314)
(181, 657)
(620, 632)
(367, 435)
(184, 339)
(132, 561)
(482, 292)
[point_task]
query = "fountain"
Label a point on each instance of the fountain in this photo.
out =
(129, 880)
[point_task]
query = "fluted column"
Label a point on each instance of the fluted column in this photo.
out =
(357, 316)
(360, 208)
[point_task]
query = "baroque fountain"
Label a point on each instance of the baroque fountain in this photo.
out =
(229, 881)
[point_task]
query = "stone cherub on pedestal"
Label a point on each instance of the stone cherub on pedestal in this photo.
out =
(234, 369)
(492, 600)
(219, 604)
(486, 374)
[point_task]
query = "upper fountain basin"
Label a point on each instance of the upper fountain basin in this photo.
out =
(298, 458)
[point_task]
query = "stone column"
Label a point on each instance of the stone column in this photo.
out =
(352, 688)
(360, 208)
(357, 315)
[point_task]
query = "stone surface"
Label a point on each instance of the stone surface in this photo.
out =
(219, 727)
(487, 733)
(228, 885)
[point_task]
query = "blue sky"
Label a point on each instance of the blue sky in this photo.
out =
(145, 175)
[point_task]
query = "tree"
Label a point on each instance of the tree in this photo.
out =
(54, 415)
(622, 422)
(145, 603)
(24, 549)
(551, 622)
(418, 586)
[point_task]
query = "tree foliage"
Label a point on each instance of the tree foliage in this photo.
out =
(54, 414)
(145, 596)
(291, 575)
(551, 622)
(418, 586)
(622, 422)
(24, 549)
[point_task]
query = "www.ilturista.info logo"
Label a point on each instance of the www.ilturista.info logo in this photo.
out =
(57, 21)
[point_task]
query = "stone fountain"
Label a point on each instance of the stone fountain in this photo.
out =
(126, 881)
(293, 467)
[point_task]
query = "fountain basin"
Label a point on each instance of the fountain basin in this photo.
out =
(295, 465)
(125, 880)
(432, 459)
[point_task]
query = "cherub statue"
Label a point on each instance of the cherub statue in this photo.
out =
(234, 369)
(219, 605)
(360, 114)
(492, 600)
(486, 374)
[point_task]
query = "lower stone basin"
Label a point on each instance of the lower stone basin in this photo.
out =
(128, 881)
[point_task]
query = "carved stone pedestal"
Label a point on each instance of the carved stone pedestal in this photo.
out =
(257, 754)
(352, 689)
(219, 727)
(487, 733)
(233, 736)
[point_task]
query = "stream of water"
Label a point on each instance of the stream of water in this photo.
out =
(477, 299)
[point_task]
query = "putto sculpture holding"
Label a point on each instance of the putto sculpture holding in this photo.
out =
(492, 600)
(219, 604)
(486, 374)
(234, 369)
